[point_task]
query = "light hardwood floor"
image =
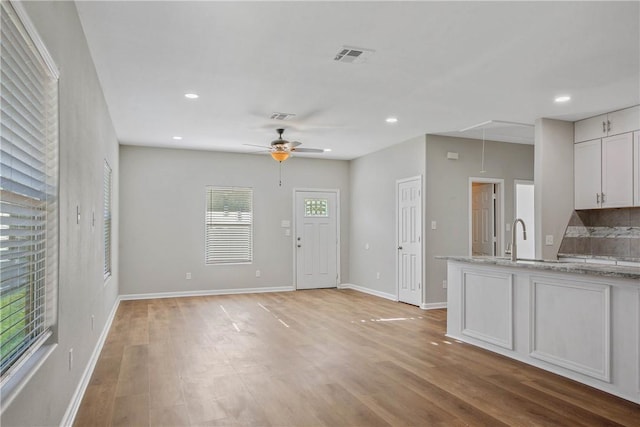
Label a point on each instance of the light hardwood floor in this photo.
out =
(318, 358)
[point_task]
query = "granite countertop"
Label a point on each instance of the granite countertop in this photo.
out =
(617, 271)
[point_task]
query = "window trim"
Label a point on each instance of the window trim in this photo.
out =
(207, 262)
(107, 215)
(24, 367)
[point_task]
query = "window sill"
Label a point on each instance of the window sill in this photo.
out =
(12, 385)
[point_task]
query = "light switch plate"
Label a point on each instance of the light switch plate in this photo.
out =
(548, 240)
(433, 225)
(285, 223)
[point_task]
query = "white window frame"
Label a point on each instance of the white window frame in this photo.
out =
(31, 63)
(107, 219)
(230, 225)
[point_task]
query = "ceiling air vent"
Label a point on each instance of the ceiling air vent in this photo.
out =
(281, 116)
(353, 55)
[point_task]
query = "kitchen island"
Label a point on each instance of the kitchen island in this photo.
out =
(578, 320)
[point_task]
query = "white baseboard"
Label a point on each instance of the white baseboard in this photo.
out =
(368, 291)
(433, 305)
(206, 293)
(74, 405)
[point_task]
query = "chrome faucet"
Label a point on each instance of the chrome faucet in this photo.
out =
(514, 249)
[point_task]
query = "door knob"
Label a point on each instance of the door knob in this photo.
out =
(399, 248)
(299, 246)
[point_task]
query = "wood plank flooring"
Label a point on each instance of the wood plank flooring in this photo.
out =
(319, 358)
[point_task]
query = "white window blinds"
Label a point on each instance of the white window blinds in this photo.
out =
(28, 191)
(229, 225)
(107, 219)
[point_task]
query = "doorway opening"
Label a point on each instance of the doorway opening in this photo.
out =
(524, 203)
(486, 216)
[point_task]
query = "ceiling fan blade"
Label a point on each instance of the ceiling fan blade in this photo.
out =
(294, 144)
(260, 146)
(308, 150)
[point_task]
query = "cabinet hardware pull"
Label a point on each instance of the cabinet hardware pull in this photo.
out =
(602, 197)
(597, 198)
(604, 127)
(608, 126)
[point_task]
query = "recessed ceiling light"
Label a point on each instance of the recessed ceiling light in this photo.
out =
(177, 138)
(191, 95)
(563, 98)
(326, 150)
(392, 120)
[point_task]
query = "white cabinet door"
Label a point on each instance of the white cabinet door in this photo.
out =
(636, 168)
(587, 160)
(614, 123)
(592, 128)
(617, 171)
(622, 121)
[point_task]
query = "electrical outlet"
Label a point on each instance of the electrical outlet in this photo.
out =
(444, 284)
(188, 276)
(258, 273)
(548, 240)
(434, 225)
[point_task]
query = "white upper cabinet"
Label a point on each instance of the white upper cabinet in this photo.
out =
(604, 172)
(636, 168)
(614, 123)
(587, 157)
(617, 171)
(592, 128)
(623, 121)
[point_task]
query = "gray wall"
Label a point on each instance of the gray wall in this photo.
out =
(87, 137)
(447, 196)
(373, 212)
(553, 183)
(162, 202)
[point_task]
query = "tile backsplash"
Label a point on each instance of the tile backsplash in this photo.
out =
(613, 233)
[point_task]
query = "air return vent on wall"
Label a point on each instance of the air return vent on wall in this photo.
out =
(353, 55)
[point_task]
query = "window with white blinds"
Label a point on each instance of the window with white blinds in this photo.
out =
(28, 191)
(229, 225)
(107, 219)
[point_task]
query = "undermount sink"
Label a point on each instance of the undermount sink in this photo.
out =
(530, 261)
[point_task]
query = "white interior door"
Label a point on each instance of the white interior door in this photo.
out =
(409, 218)
(316, 239)
(483, 219)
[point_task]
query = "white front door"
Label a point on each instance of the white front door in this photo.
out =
(483, 219)
(409, 223)
(316, 239)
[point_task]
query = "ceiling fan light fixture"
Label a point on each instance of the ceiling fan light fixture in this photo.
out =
(280, 155)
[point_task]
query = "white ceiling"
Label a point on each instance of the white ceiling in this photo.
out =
(438, 67)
